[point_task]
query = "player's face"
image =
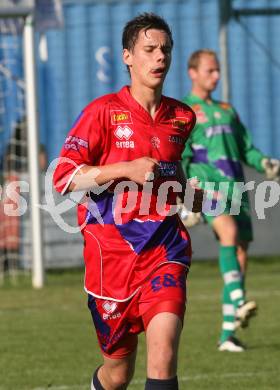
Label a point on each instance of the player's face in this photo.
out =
(207, 74)
(150, 58)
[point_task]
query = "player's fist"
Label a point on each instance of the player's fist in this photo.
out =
(142, 169)
(271, 167)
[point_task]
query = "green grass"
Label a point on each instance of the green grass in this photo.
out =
(47, 339)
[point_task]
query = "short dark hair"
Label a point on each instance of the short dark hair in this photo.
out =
(144, 21)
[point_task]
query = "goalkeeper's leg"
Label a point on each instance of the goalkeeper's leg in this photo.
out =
(227, 231)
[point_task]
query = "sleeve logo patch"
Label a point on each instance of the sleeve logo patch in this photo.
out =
(75, 143)
(120, 117)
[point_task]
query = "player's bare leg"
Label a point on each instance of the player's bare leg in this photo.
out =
(162, 338)
(115, 374)
(226, 229)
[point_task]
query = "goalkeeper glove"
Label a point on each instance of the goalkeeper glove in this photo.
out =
(188, 218)
(271, 167)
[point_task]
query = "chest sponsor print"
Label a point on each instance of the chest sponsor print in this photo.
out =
(175, 139)
(167, 168)
(120, 117)
(124, 133)
(180, 123)
(217, 130)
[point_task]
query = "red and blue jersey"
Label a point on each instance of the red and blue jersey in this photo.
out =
(127, 233)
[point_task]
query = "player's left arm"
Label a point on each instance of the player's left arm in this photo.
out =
(253, 157)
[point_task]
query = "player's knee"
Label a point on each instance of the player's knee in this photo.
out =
(229, 234)
(120, 378)
(162, 364)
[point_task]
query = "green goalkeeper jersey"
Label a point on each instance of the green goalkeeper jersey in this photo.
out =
(219, 143)
(216, 149)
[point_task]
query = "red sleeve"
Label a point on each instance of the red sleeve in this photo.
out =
(192, 122)
(81, 147)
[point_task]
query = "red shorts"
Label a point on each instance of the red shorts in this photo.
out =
(118, 323)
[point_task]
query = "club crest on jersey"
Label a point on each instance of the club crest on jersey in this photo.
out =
(120, 117)
(155, 141)
(123, 133)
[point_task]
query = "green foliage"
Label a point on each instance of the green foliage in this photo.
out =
(47, 339)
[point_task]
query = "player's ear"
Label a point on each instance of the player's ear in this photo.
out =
(127, 57)
(192, 73)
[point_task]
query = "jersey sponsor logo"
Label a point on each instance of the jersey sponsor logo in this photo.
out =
(168, 280)
(110, 308)
(155, 141)
(180, 123)
(167, 168)
(74, 143)
(120, 117)
(217, 130)
(175, 139)
(125, 144)
(201, 117)
(123, 132)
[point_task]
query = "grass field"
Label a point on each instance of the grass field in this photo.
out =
(47, 340)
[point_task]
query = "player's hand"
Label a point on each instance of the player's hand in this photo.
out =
(142, 169)
(271, 167)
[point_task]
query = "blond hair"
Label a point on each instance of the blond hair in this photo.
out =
(195, 57)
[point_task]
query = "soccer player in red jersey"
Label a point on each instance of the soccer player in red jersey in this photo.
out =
(124, 151)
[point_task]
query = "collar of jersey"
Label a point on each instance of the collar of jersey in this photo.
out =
(125, 96)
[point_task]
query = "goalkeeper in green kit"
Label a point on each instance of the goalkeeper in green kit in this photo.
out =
(215, 151)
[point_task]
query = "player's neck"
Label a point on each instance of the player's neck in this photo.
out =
(202, 94)
(148, 98)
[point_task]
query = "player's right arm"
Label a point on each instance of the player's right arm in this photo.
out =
(78, 166)
(136, 170)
